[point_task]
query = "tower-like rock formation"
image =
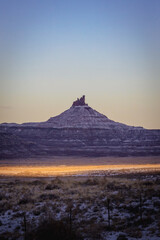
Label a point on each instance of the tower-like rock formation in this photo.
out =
(80, 102)
(80, 130)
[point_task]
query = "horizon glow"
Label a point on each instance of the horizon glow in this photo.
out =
(55, 51)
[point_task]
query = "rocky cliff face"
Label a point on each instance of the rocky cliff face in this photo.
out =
(80, 130)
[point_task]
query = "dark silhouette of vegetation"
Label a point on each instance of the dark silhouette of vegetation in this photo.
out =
(122, 237)
(3, 238)
(53, 230)
(108, 208)
(70, 219)
(25, 228)
(140, 207)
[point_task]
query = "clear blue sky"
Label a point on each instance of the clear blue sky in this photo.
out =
(52, 52)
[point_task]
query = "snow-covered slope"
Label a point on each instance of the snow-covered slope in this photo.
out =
(79, 115)
(82, 117)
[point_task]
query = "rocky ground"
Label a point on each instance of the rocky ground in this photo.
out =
(120, 206)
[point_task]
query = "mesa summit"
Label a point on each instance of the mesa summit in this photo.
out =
(79, 131)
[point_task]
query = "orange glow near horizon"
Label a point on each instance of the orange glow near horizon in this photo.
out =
(63, 170)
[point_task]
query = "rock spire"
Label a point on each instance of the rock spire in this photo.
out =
(79, 102)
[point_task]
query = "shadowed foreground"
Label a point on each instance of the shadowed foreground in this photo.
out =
(81, 207)
(107, 199)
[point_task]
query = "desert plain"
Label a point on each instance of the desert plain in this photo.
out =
(81, 198)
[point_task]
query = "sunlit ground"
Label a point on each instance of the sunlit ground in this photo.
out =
(50, 168)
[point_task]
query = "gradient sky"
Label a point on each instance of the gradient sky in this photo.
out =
(53, 51)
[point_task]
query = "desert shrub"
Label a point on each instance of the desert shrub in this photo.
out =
(12, 183)
(133, 209)
(148, 183)
(111, 186)
(5, 205)
(6, 236)
(90, 182)
(48, 196)
(135, 233)
(152, 230)
(95, 209)
(26, 199)
(51, 229)
(51, 187)
(2, 196)
(157, 181)
(93, 230)
(147, 220)
(18, 214)
(36, 182)
(73, 191)
(122, 237)
(37, 211)
(57, 181)
(3, 238)
(156, 203)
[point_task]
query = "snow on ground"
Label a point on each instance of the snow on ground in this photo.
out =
(85, 197)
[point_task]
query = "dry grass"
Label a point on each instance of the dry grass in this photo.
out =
(84, 200)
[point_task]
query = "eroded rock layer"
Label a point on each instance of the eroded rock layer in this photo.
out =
(80, 130)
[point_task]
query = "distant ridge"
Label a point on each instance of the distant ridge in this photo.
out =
(80, 130)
